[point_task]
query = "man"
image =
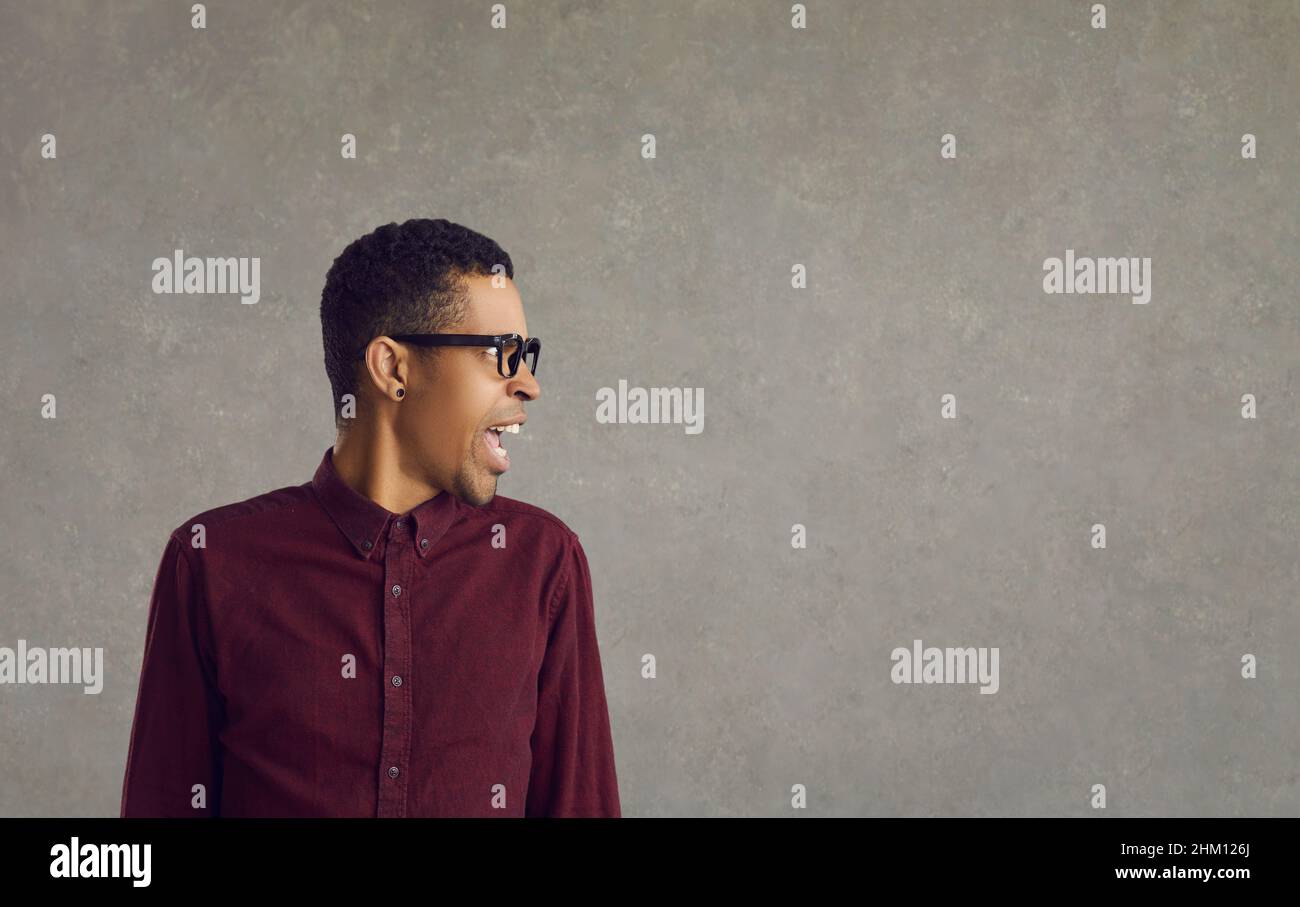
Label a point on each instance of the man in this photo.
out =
(391, 638)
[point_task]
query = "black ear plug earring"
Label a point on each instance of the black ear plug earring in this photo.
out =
(401, 392)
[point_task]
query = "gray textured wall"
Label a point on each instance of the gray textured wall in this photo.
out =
(775, 147)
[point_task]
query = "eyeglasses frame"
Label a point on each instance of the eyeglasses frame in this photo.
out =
(526, 345)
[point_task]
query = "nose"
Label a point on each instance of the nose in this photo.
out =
(524, 384)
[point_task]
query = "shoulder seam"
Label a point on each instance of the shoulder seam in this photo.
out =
(198, 587)
(568, 575)
(182, 543)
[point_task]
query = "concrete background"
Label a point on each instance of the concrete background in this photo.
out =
(775, 146)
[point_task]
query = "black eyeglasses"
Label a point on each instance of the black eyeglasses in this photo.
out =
(510, 348)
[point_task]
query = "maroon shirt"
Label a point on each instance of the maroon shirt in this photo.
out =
(318, 655)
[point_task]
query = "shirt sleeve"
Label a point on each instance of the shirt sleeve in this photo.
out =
(179, 710)
(572, 771)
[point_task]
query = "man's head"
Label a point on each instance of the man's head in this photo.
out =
(433, 403)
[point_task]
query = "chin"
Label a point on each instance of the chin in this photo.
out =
(477, 494)
(480, 500)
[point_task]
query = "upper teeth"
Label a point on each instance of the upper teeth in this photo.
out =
(510, 428)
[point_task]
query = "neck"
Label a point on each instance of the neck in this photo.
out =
(373, 463)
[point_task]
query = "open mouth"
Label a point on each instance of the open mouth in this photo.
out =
(496, 450)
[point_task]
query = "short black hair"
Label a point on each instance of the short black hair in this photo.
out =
(398, 279)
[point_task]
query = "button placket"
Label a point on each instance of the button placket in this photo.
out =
(395, 744)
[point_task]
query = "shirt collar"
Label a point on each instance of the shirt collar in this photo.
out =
(363, 521)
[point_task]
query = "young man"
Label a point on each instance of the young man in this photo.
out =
(390, 638)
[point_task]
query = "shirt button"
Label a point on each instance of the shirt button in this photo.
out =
(392, 771)
(367, 544)
(400, 524)
(397, 680)
(397, 590)
(424, 543)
